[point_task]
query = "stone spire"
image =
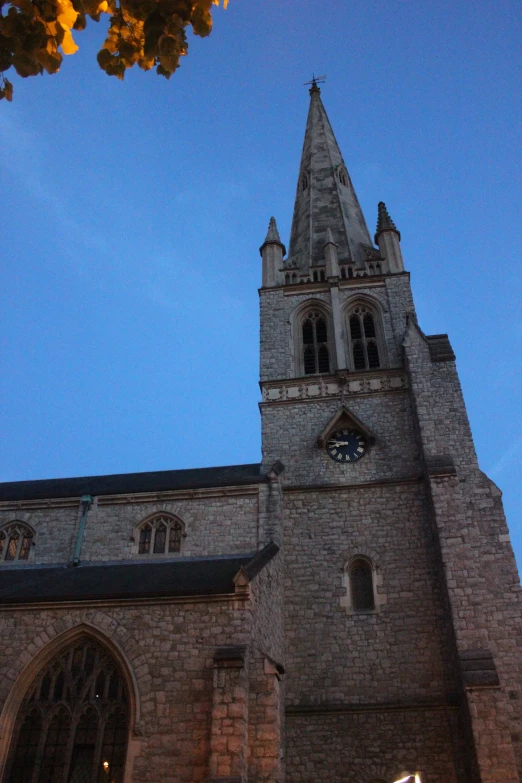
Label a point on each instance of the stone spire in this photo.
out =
(272, 251)
(325, 198)
(384, 222)
(388, 237)
(272, 235)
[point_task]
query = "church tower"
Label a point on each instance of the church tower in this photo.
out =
(402, 611)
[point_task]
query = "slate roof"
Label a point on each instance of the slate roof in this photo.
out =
(126, 483)
(184, 577)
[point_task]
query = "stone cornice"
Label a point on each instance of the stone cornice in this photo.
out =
(300, 488)
(239, 600)
(342, 282)
(334, 709)
(332, 386)
(138, 497)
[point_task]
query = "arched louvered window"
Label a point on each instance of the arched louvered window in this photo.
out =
(343, 177)
(363, 339)
(361, 585)
(304, 182)
(160, 535)
(16, 539)
(314, 332)
(72, 725)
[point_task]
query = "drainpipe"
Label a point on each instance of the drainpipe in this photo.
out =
(85, 503)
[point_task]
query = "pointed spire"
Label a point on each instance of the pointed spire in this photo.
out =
(388, 238)
(272, 233)
(384, 221)
(272, 251)
(272, 236)
(325, 198)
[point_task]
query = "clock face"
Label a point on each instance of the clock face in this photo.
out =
(346, 446)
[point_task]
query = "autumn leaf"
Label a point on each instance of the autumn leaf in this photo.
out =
(144, 32)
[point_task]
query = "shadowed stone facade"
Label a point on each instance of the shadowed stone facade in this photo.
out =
(248, 648)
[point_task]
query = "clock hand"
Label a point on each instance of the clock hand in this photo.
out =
(339, 443)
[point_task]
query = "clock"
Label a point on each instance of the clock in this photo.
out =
(346, 445)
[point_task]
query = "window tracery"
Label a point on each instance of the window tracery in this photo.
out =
(16, 539)
(162, 534)
(364, 338)
(73, 722)
(314, 334)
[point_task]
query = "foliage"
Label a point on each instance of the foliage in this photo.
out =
(35, 34)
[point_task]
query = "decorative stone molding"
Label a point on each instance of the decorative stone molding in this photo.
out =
(440, 465)
(230, 657)
(440, 348)
(327, 387)
(478, 669)
(344, 418)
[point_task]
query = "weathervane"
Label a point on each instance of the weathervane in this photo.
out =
(316, 80)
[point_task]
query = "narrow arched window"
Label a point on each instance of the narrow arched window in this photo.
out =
(363, 338)
(361, 585)
(16, 539)
(69, 728)
(316, 355)
(304, 182)
(343, 177)
(160, 535)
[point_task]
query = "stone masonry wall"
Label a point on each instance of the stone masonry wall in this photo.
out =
(213, 526)
(170, 649)
(481, 578)
(192, 718)
(266, 706)
(390, 655)
(391, 297)
(290, 431)
(368, 746)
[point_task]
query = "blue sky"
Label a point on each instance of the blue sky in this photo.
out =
(133, 213)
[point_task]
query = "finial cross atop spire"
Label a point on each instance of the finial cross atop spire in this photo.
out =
(315, 80)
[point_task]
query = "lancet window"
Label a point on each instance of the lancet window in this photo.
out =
(361, 585)
(162, 534)
(72, 725)
(343, 177)
(304, 181)
(16, 540)
(314, 332)
(364, 339)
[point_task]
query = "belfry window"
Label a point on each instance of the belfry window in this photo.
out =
(304, 182)
(316, 356)
(73, 722)
(343, 177)
(162, 534)
(361, 585)
(15, 542)
(363, 337)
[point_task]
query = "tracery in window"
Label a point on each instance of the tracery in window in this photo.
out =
(363, 336)
(73, 722)
(314, 331)
(160, 535)
(15, 542)
(361, 585)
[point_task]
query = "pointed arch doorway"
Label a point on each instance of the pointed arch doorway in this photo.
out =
(72, 725)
